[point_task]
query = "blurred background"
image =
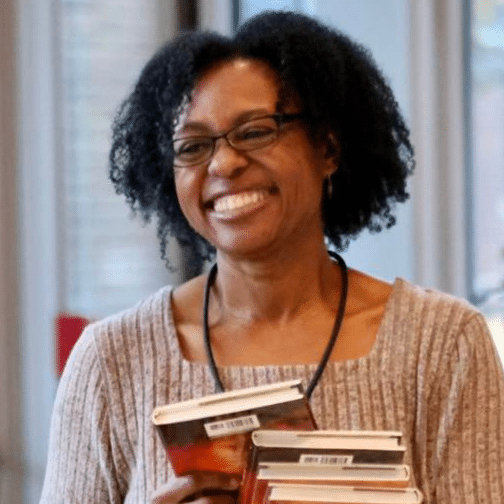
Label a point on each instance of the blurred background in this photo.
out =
(70, 250)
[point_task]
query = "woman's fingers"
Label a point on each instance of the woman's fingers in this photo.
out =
(201, 488)
(174, 491)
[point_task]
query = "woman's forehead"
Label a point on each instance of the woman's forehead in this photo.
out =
(228, 89)
(240, 65)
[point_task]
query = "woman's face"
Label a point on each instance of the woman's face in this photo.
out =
(249, 203)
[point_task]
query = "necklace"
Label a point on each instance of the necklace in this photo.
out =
(330, 345)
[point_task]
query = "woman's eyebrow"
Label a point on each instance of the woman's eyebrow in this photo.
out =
(202, 128)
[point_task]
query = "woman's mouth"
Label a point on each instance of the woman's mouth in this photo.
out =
(233, 204)
(238, 201)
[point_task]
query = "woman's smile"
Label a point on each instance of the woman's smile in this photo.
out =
(236, 205)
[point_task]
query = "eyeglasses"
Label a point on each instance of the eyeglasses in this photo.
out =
(250, 135)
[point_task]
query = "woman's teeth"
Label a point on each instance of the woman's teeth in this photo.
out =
(237, 201)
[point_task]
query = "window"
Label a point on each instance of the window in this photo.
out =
(487, 135)
(108, 260)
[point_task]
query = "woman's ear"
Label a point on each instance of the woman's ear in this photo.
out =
(333, 150)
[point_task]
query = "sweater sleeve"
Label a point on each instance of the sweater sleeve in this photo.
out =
(82, 463)
(466, 422)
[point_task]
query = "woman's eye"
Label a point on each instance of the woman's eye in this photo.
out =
(255, 133)
(192, 147)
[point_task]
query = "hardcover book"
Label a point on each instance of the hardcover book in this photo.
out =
(304, 494)
(393, 475)
(213, 434)
(328, 446)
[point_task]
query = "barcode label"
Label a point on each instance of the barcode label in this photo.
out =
(232, 426)
(326, 459)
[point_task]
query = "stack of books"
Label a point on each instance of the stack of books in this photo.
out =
(267, 437)
(327, 466)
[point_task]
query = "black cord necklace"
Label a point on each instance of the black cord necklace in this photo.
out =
(330, 345)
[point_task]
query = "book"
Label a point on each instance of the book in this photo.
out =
(213, 433)
(328, 446)
(365, 475)
(332, 494)
(374, 475)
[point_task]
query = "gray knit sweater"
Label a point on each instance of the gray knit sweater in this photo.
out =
(432, 373)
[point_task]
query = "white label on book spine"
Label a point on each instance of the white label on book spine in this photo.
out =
(326, 459)
(232, 426)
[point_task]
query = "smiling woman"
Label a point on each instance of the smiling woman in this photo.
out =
(256, 151)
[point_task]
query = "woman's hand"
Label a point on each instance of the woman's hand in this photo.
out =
(201, 488)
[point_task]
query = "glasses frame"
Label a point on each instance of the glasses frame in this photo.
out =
(280, 119)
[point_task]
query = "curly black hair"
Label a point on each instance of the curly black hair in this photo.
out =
(341, 92)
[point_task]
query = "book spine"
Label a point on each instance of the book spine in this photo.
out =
(250, 472)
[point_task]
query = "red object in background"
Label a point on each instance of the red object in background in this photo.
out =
(68, 329)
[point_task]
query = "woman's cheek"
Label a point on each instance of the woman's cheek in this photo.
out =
(186, 186)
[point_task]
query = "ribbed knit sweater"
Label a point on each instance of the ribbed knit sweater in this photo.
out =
(432, 373)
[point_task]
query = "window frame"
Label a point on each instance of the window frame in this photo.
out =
(439, 126)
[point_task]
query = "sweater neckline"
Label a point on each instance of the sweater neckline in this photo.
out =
(397, 286)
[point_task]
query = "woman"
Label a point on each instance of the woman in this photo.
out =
(257, 151)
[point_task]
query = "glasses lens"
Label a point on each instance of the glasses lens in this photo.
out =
(254, 134)
(192, 151)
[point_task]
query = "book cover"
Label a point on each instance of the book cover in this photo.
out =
(213, 434)
(368, 475)
(303, 494)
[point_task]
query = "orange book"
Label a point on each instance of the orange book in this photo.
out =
(213, 434)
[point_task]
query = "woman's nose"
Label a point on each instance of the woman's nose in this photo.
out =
(226, 161)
